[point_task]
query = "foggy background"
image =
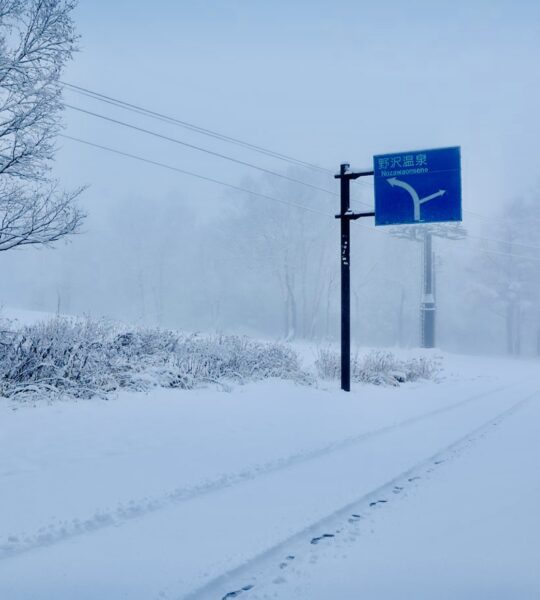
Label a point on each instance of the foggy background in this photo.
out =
(325, 82)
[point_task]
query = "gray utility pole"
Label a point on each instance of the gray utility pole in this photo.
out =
(427, 307)
(346, 216)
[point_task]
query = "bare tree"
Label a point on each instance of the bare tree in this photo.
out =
(37, 38)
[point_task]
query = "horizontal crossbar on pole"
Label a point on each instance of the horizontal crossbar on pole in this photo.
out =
(354, 216)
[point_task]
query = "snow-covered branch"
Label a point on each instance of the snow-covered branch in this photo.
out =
(37, 38)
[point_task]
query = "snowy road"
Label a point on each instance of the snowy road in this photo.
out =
(203, 494)
(464, 526)
(266, 573)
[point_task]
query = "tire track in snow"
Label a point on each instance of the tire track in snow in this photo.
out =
(267, 567)
(57, 532)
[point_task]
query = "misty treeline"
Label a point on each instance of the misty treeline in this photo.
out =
(507, 278)
(248, 265)
(237, 263)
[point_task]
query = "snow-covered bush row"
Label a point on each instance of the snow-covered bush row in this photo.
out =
(377, 367)
(83, 358)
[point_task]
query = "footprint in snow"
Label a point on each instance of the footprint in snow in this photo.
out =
(285, 563)
(375, 502)
(237, 593)
(316, 540)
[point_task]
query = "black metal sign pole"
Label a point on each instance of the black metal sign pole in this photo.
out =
(346, 217)
(345, 281)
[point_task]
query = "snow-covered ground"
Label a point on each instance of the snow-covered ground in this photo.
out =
(21, 316)
(466, 528)
(202, 493)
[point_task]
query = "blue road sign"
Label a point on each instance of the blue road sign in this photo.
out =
(422, 186)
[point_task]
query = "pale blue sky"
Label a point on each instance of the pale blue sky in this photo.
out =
(327, 82)
(324, 81)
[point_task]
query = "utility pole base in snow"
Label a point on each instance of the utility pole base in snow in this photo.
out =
(427, 315)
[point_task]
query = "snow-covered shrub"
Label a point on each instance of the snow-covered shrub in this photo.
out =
(377, 367)
(57, 356)
(381, 367)
(177, 360)
(328, 364)
(423, 368)
(85, 358)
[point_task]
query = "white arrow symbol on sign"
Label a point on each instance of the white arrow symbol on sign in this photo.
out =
(417, 201)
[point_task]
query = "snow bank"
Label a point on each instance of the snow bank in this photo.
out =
(83, 358)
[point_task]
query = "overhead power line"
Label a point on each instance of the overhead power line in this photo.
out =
(260, 149)
(192, 174)
(252, 192)
(83, 91)
(200, 149)
(265, 170)
(202, 130)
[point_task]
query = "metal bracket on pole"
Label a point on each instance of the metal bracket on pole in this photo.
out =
(346, 216)
(353, 216)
